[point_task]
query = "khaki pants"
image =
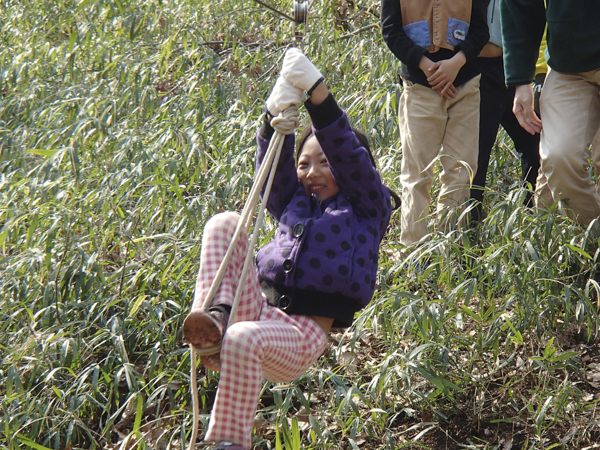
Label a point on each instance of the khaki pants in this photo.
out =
(570, 110)
(428, 124)
(544, 196)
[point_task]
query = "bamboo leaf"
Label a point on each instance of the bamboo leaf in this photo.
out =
(42, 152)
(579, 250)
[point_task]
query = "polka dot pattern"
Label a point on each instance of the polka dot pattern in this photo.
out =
(335, 248)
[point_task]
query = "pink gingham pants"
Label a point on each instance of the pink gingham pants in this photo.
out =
(264, 342)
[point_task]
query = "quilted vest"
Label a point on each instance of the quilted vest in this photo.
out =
(435, 24)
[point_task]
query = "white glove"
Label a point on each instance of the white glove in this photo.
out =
(283, 96)
(299, 71)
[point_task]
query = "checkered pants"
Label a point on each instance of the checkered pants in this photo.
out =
(264, 342)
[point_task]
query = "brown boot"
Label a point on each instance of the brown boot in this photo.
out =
(212, 362)
(205, 328)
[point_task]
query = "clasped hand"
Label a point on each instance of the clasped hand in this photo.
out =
(441, 74)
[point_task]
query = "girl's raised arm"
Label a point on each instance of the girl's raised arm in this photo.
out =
(285, 182)
(350, 161)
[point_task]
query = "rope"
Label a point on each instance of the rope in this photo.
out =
(284, 124)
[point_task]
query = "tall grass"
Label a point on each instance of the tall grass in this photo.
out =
(124, 126)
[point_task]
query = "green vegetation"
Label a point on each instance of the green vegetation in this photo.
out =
(124, 126)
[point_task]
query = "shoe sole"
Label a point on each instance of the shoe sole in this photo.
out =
(201, 330)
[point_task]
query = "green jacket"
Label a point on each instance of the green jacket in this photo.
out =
(573, 36)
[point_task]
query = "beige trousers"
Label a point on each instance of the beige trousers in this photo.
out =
(432, 128)
(570, 110)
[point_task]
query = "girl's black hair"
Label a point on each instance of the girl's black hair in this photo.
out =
(362, 139)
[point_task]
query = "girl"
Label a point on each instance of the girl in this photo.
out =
(320, 269)
(437, 43)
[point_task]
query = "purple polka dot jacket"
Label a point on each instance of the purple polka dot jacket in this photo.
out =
(323, 259)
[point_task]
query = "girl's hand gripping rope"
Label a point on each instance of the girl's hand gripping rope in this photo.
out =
(299, 71)
(282, 97)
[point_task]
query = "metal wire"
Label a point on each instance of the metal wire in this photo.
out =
(299, 9)
(275, 10)
(300, 12)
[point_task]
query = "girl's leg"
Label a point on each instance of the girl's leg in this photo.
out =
(203, 329)
(570, 108)
(494, 103)
(278, 347)
(459, 150)
(528, 145)
(422, 118)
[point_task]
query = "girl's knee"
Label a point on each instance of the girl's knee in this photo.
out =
(241, 334)
(568, 157)
(223, 221)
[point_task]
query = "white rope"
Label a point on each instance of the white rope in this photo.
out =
(284, 124)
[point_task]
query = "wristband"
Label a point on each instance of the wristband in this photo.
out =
(268, 114)
(311, 90)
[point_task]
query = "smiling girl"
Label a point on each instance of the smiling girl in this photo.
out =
(318, 271)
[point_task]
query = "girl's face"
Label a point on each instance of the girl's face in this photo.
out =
(314, 172)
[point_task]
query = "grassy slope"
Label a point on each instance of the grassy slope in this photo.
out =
(124, 126)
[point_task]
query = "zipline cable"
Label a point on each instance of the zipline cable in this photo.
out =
(282, 14)
(300, 16)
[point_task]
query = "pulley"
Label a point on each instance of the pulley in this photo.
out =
(300, 15)
(300, 12)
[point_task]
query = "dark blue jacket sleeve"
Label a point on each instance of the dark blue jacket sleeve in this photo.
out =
(395, 38)
(523, 24)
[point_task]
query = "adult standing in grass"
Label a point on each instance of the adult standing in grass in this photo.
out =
(437, 43)
(570, 100)
(319, 270)
(496, 110)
